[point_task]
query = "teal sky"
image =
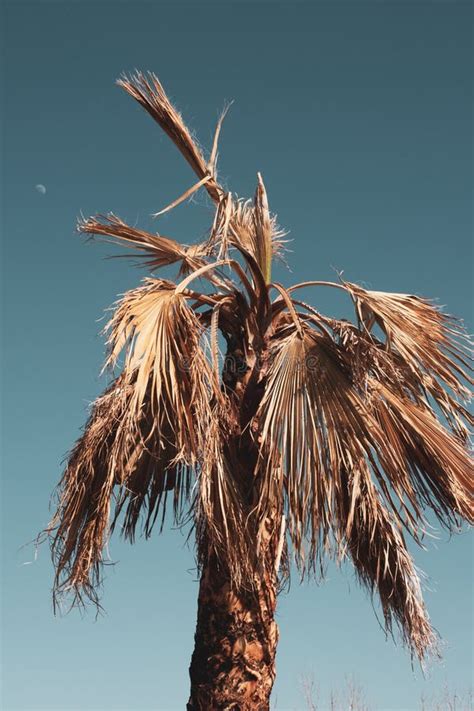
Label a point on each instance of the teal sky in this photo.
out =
(359, 115)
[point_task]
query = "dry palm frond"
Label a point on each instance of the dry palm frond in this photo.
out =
(313, 424)
(164, 358)
(212, 165)
(263, 230)
(159, 251)
(251, 227)
(182, 198)
(301, 446)
(148, 91)
(400, 382)
(383, 564)
(288, 457)
(430, 346)
(369, 356)
(369, 406)
(320, 426)
(427, 340)
(252, 231)
(219, 511)
(80, 526)
(420, 448)
(145, 435)
(437, 465)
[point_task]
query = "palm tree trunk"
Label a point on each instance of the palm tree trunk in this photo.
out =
(233, 664)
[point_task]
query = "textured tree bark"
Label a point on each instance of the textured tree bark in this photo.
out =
(233, 664)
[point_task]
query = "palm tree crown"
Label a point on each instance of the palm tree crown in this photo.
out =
(350, 431)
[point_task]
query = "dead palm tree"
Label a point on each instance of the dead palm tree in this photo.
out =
(316, 437)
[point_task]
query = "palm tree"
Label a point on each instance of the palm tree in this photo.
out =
(311, 436)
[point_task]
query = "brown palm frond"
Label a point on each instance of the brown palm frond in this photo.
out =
(413, 366)
(383, 563)
(212, 164)
(236, 224)
(251, 227)
(431, 343)
(291, 450)
(162, 337)
(218, 243)
(313, 425)
(219, 511)
(145, 435)
(429, 456)
(263, 230)
(370, 356)
(245, 232)
(182, 198)
(428, 340)
(159, 251)
(79, 527)
(148, 91)
(318, 425)
(174, 387)
(429, 346)
(428, 465)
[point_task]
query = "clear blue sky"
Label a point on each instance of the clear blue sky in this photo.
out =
(359, 116)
